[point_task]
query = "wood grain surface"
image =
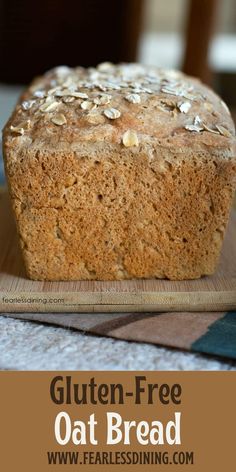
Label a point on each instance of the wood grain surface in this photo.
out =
(19, 294)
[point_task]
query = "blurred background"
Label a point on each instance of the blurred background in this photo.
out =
(197, 36)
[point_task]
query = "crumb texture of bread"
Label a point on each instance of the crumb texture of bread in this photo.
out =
(120, 172)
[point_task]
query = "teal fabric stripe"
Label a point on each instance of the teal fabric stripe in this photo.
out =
(220, 339)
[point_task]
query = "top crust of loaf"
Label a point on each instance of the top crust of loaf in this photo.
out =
(127, 105)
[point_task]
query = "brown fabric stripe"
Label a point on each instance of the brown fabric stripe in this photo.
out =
(168, 329)
(111, 325)
(81, 321)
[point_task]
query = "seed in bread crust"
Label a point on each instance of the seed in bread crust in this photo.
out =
(39, 93)
(210, 130)
(78, 94)
(59, 119)
(194, 128)
(112, 113)
(21, 128)
(27, 104)
(197, 120)
(133, 98)
(184, 107)
(17, 130)
(87, 105)
(223, 131)
(68, 99)
(102, 100)
(105, 66)
(49, 106)
(130, 138)
(71, 93)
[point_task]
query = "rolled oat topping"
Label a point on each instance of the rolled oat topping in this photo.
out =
(59, 119)
(112, 113)
(21, 128)
(87, 105)
(223, 131)
(130, 138)
(79, 90)
(17, 130)
(184, 107)
(133, 98)
(49, 106)
(197, 125)
(102, 99)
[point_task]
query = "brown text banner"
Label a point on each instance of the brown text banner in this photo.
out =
(97, 421)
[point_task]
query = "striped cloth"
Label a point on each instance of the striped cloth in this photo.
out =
(208, 333)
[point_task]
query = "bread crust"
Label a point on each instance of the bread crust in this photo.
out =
(91, 204)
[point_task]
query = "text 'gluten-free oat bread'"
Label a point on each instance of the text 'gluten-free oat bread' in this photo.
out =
(120, 172)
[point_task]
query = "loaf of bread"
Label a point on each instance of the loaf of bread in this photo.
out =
(120, 172)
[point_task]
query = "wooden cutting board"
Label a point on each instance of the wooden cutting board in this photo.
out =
(19, 294)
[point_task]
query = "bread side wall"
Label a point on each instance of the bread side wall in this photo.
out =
(120, 214)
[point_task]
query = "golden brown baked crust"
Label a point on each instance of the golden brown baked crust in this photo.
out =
(120, 172)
